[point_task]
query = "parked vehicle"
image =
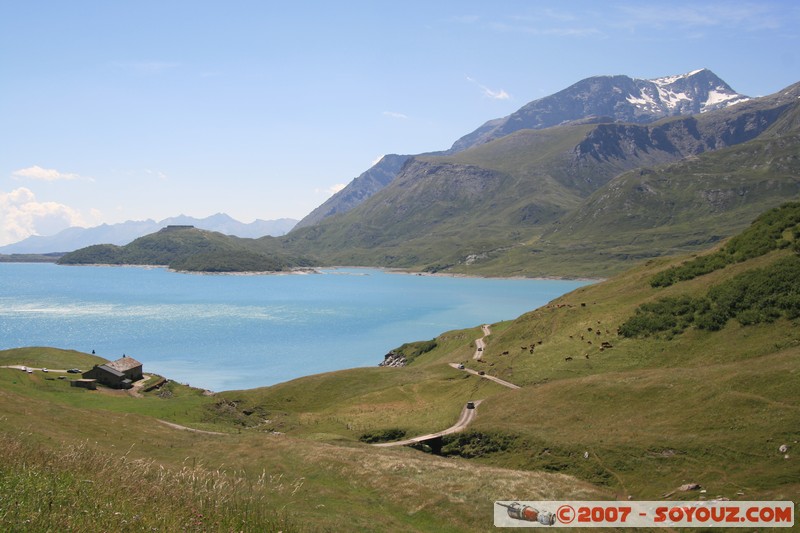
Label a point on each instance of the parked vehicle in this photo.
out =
(73, 371)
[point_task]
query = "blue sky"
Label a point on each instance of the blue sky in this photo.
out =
(118, 110)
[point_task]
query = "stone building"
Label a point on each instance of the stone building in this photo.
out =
(119, 374)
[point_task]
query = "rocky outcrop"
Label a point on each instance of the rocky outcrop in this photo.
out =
(393, 359)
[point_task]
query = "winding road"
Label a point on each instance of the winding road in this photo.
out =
(480, 344)
(468, 413)
(467, 416)
(497, 380)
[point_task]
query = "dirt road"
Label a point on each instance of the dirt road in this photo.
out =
(480, 344)
(184, 428)
(466, 418)
(497, 380)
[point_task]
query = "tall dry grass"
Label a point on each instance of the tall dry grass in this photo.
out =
(77, 488)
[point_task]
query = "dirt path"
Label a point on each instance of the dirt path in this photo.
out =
(480, 344)
(184, 428)
(480, 347)
(466, 418)
(23, 368)
(136, 388)
(497, 380)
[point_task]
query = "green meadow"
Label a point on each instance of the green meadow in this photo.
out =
(602, 413)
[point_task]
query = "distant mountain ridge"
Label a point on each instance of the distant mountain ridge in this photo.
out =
(186, 248)
(122, 233)
(592, 100)
(368, 183)
(619, 98)
(531, 202)
(584, 198)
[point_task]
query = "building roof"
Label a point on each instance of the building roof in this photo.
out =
(111, 370)
(123, 364)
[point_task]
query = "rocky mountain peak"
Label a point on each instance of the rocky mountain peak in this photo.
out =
(695, 92)
(622, 98)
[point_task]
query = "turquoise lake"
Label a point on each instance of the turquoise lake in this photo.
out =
(225, 332)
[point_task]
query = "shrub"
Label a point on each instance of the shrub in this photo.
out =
(753, 297)
(472, 444)
(383, 435)
(666, 314)
(765, 234)
(412, 350)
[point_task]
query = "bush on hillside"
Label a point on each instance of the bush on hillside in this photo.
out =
(766, 233)
(412, 350)
(382, 435)
(667, 314)
(472, 444)
(752, 297)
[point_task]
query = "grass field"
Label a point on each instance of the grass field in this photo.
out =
(599, 416)
(142, 474)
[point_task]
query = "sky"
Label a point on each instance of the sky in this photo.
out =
(140, 109)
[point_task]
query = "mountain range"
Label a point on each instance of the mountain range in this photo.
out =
(618, 98)
(691, 360)
(122, 233)
(566, 187)
(596, 99)
(580, 183)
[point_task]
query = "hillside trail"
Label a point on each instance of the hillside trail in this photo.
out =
(480, 344)
(480, 347)
(468, 414)
(184, 428)
(497, 380)
(136, 389)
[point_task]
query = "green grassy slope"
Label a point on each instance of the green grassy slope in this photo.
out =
(188, 249)
(678, 208)
(687, 204)
(599, 415)
(652, 413)
(101, 460)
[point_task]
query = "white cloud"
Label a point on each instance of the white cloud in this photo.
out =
(490, 93)
(544, 31)
(21, 216)
(547, 22)
(394, 114)
(376, 160)
(157, 173)
(747, 16)
(45, 174)
(496, 95)
(466, 19)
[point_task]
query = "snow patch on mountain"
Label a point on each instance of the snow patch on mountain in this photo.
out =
(717, 97)
(619, 97)
(670, 98)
